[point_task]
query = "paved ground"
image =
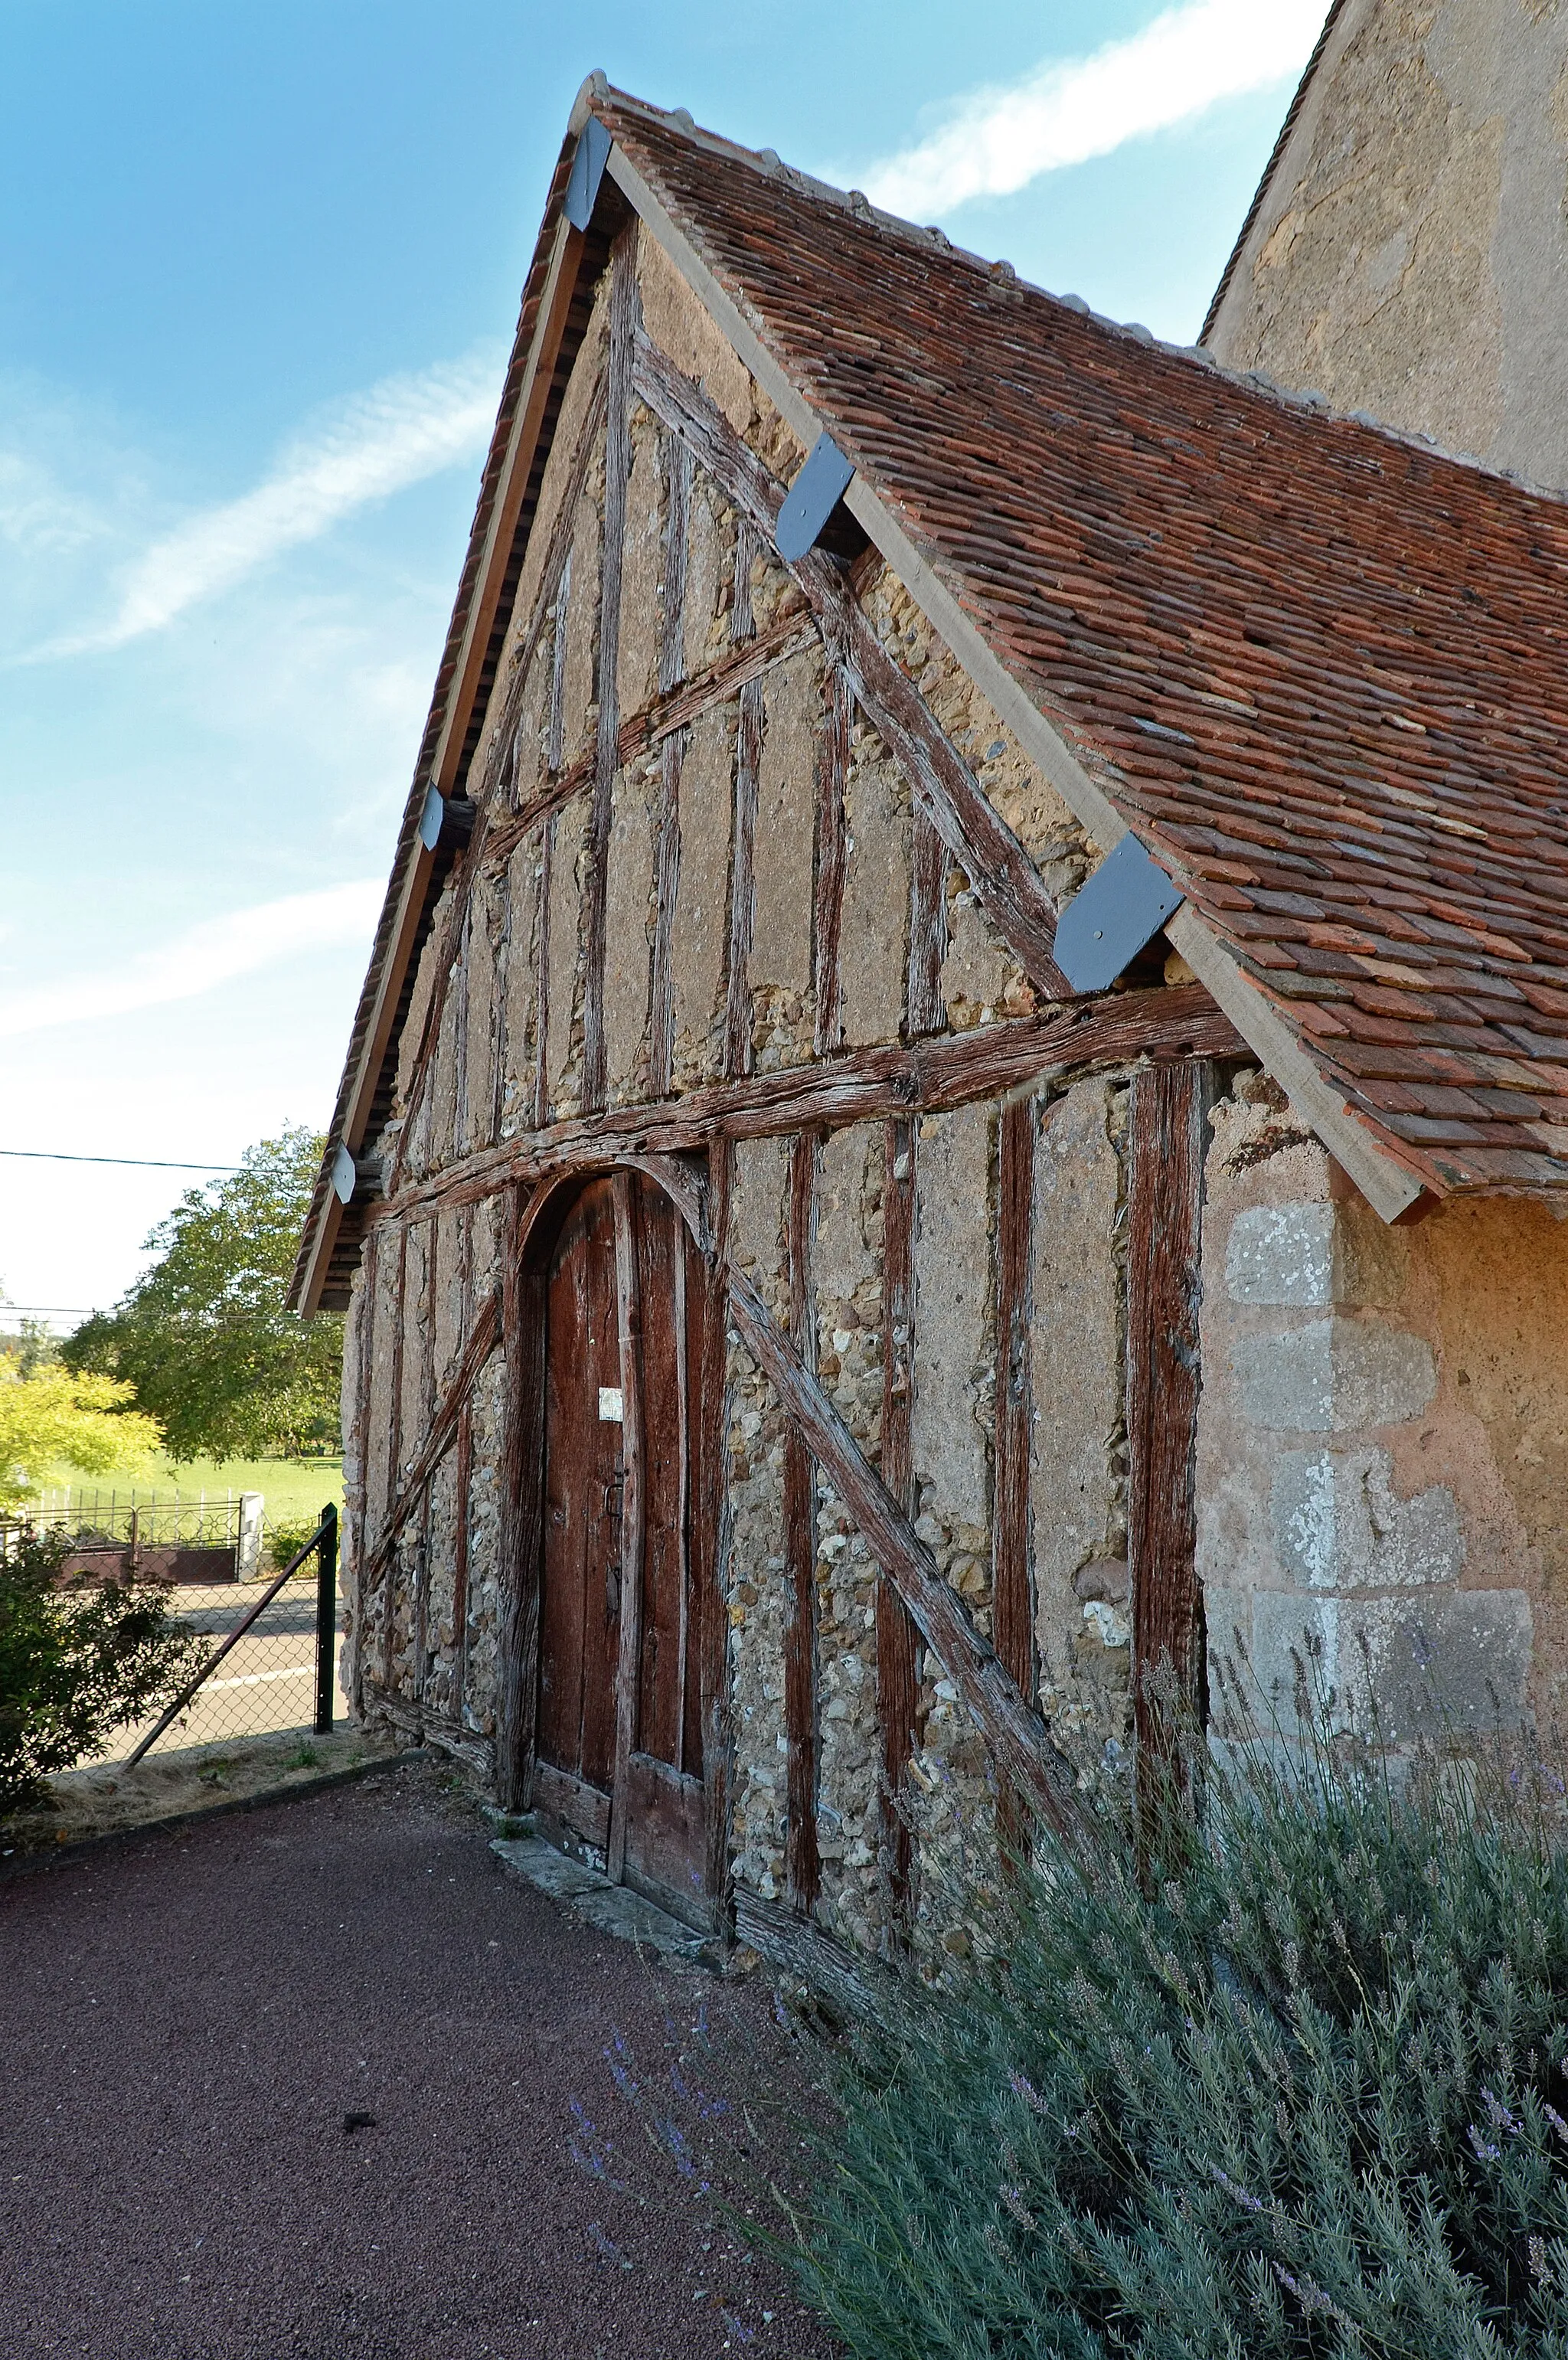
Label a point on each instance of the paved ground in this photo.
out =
(188, 2023)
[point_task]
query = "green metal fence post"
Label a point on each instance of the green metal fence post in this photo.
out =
(326, 1620)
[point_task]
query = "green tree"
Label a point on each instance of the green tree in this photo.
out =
(56, 1413)
(203, 1335)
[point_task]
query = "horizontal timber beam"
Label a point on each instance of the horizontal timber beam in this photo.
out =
(868, 1084)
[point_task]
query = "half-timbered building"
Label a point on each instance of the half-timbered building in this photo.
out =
(964, 1080)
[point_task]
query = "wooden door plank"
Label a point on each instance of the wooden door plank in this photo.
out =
(710, 1525)
(628, 1314)
(661, 1257)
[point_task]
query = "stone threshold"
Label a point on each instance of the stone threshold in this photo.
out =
(614, 1909)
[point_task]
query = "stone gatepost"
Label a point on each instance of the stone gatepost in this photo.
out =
(1316, 1555)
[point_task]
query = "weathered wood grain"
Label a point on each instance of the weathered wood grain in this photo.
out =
(711, 1520)
(801, 1863)
(425, 1726)
(1168, 1134)
(542, 976)
(832, 858)
(666, 890)
(634, 1499)
(461, 1142)
(1003, 878)
(555, 726)
(851, 1988)
(897, 1670)
(395, 1449)
(923, 1010)
(648, 730)
(500, 1045)
(1012, 1590)
(440, 1429)
(676, 548)
(485, 787)
(1012, 1600)
(460, 1559)
(522, 1512)
(743, 883)
(1019, 1742)
(624, 311)
(927, 1077)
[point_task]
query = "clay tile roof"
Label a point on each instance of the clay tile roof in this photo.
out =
(1318, 666)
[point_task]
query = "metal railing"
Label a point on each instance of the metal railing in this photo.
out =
(322, 1545)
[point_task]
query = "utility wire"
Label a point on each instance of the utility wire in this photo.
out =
(142, 1163)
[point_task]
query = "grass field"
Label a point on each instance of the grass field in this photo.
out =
(292, 1488)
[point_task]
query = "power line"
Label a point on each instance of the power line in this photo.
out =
(142, 1163)
(65, 1310)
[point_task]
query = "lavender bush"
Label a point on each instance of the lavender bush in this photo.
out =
(1290, 2078)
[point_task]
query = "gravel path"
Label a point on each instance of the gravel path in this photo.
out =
(188, 2024)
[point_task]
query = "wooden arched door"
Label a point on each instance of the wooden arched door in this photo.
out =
(619, 1745)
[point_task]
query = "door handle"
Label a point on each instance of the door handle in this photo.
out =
(614, 1511)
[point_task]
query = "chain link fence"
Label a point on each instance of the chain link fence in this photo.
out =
(266, 1666)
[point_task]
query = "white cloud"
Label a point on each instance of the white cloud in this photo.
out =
(213, 952)
(397, 434)
(999, 139)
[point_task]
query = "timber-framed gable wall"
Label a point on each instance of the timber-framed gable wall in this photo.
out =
(758, 903)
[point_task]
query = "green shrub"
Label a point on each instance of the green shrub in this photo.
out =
(287, 1537)
(1299, 2087)
(75, 1662)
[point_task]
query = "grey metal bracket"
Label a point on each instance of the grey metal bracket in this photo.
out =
(587, 171)
(448, 818)
(361, 1176)
(812, 499)
(1106, 924)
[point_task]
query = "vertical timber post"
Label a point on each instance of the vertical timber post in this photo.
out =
(1168, 1130)
(326, 1618)
(897, 1681)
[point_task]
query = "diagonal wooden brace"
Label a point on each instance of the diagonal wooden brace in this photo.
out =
(1003, 878)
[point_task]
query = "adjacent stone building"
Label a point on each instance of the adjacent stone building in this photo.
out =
(963, 1089)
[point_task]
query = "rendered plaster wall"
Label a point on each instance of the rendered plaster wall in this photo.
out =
(874, 947)
(702, 900)
(782, 992)
(1362, 1522)
(628, 896)
(1411, 255)
(1078, 1474)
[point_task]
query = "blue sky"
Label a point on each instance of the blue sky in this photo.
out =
(258, 272)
